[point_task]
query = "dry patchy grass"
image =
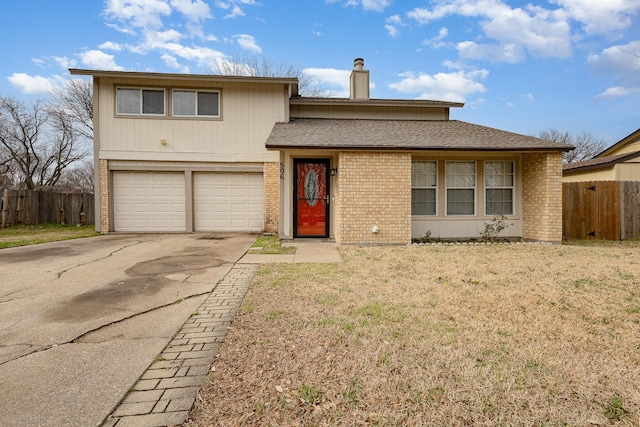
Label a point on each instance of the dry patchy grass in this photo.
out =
(22, 235)
(435, 335)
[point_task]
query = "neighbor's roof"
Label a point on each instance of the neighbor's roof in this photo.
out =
(173, 76)
(629, 139)
(401, 135)
(599, 162)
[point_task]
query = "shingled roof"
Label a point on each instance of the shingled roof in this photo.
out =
(401, 135)
(599, 162)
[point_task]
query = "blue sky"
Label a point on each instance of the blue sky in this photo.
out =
(573, 65)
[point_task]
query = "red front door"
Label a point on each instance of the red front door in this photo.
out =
(311, 204)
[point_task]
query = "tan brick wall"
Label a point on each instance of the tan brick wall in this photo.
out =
(271, 196)
(373, 189)
(104, 197)
(542, 196)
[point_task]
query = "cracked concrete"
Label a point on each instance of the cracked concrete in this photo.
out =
(87, 317)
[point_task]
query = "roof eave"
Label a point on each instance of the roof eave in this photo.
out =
(375, 102)
(176, 76)
(603, 165)
(402, 148)
(629, 138)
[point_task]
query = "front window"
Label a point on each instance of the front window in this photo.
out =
(424, 182)
(499, 184)
(460, 182)
(135, 101)
(195, 103)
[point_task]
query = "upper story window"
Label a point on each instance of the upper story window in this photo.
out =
(460, 182)
(196, 103)
(424, 183)
(140, 101)
(499, 185)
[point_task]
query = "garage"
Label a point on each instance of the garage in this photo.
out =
(228, 201)
(149, 201)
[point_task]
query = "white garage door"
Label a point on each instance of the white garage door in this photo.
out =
(149, 201)
(228, 202)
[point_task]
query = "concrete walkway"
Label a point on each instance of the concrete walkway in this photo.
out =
(165, 393)
(305, 252)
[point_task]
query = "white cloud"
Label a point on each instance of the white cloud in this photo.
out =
(236, 7)
(204, 57)
(391, 25)
(515, 31)
(248, 42)
(65, 62)
(116, 47)
(235, 12)
(34, 84)
(375, 5)
(437, 41)
(144, 19)
(40, 62)
(602, 17)
(172, 62)
(161, 37)
(138, 13)
(452, 87)
(511, 53)
(336, 81)
(613, 92)
(97, 59)
(621, 61)
(195, 11)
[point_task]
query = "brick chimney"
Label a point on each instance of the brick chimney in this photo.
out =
(359, 81)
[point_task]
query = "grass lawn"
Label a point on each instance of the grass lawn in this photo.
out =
(270, 245)
(522, 334)
(21, 235)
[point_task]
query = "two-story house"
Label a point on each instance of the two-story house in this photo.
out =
(185, 153)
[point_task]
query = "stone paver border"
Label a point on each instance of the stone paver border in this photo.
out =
(165, 393)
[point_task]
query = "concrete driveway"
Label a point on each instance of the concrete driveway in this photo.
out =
(81, 320)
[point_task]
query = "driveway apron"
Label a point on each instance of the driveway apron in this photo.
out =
(83, 319)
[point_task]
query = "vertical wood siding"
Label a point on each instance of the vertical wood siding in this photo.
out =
(248, 112)
(604, 210)
(40, 207)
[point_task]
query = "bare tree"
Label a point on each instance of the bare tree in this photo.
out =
(78, 177)
(37, 143)
(75, 99)
(586, 145)
(255, 66)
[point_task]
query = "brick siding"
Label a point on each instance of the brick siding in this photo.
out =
(542, 196)
(104, 197)
(271, 196)
(374, 189)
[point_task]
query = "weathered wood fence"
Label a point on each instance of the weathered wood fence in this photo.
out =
(39, 207)
(604, 210)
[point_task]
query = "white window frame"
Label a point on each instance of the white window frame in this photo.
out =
(197, 93)
(448, 187)
(511, 187)
(434, 187)
(141, 101)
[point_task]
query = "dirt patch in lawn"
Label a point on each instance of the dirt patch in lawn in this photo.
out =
(435, 335)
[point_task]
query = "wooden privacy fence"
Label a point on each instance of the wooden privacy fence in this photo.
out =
(604, 210)
(39, 207)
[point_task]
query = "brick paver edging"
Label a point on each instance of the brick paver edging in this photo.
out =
(166, 391)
